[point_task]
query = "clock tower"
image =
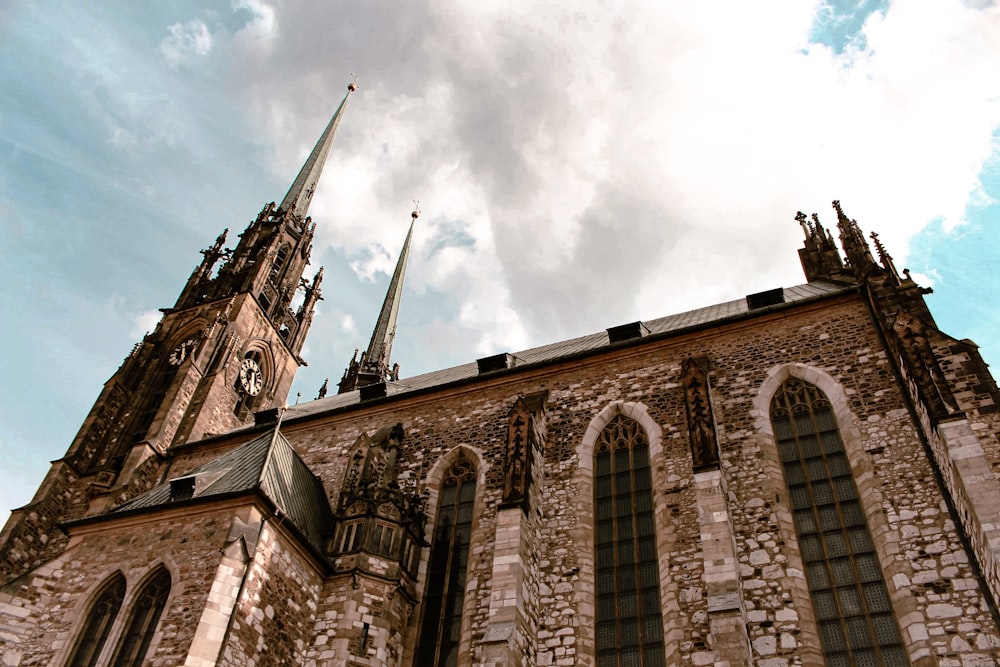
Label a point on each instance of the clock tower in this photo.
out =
(228, 347)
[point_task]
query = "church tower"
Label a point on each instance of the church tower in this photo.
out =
(373, 366)
(227, 348)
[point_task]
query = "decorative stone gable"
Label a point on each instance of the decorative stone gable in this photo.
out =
(375, 551)
(374, 514)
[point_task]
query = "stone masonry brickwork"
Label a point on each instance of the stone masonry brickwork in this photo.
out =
(277, 609)
(530, 590)
(40, 613)
(199, 402)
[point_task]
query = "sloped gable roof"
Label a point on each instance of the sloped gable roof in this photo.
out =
(268, 464)
(718, 313)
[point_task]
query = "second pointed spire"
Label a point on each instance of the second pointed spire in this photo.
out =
(374, 365)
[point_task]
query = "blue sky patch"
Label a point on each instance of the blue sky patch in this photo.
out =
(839, 23)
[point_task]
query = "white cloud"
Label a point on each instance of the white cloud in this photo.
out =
(579, 164)
(925, 279)
(143, 323)
(610, 166)
(185, 42)
(348, 326)
(259, 32)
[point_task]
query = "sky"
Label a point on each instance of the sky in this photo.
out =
(579, 165)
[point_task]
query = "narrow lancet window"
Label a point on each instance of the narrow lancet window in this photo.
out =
(99, 620)
(441, 626)
(279, 261)
(141, 625)
(856, 623)
(629, 621)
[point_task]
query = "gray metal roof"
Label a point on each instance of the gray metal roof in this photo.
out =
(672, 323)
(268, 464)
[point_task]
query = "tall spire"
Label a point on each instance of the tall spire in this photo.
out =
(373, 367)
(272, 254)
(273, 251)
(385, 329)
(300, 194)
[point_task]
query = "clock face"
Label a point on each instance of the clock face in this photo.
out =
(251, 377)
(183, 351)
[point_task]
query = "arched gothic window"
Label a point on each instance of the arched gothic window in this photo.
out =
(99, 619)
(141, 625)
(856, 623)
(629, 620)
(441, 625)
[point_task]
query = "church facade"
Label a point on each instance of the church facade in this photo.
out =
(805, 476)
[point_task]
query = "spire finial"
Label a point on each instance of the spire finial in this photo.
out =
(353, 85)
(841, 216)
(416, 210)
(301, 192)
(801, 218)
(859, 256)
(884, 257)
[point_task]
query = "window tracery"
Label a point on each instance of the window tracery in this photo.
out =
(629, 618)
(441, 623)
(99, 620)
(141, 625)
(279, 261)
(855, 617)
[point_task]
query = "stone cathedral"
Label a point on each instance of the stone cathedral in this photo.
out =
(804, 476)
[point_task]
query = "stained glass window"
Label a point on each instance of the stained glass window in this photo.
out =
(102, 614)
(441, 626)
(856, 623)
(141, 625)
(629, 621)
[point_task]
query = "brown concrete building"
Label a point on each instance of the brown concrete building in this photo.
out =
(806, 476)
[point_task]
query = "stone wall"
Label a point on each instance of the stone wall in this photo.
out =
(975, 391)
(41, 614)
(835, 340)
(548, 575)
(32, 535)
(275, 613)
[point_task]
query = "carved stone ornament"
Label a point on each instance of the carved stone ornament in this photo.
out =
(371, 492)
(701, 421)
(517, 455)
(525, 434)
(924, 365)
